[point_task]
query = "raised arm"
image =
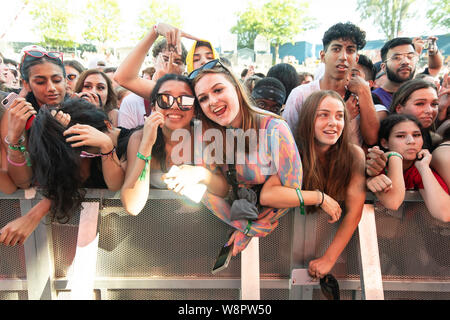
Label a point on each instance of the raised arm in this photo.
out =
(434, 196)
(14, 140)
(135, 189)
(127, 75)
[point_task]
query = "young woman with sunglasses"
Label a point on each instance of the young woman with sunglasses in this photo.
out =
(408, 167)
(152, 150)
(225, 105)
(70, 149)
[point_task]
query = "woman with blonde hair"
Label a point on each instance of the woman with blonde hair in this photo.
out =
(225, 105)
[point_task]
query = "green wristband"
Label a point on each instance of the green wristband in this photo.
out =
(393, 153)
(147, 161)
(302, 202)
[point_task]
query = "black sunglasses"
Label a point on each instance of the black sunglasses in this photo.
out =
(209, 65)
(166, 101)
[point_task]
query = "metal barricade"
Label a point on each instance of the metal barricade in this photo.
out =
(167, 252)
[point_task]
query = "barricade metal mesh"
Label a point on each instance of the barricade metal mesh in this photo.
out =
(412, 244)
(12, 258)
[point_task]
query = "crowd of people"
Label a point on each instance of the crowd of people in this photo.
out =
(260, 144)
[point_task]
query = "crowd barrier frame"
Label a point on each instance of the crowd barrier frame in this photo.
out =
(81, 282)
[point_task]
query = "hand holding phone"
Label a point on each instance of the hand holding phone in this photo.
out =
(6, 103)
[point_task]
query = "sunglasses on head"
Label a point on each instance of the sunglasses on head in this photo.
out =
(209, 65)
(39, 54)
(71, 76)
(166, 101)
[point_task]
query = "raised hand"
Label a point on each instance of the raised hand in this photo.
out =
(18, 114)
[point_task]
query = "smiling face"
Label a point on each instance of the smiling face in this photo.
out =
(174, 117)
(406, 139)
(423, 104)
(95, 83)
(219, 99)
(329, 122)
(47, 82)
(340, 56)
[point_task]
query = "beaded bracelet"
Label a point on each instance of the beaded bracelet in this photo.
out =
(147, 161)
(17, 145)
(302, 202)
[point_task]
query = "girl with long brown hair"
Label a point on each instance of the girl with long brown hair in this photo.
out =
(333, 173)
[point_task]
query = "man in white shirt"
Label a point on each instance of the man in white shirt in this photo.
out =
(341, 43)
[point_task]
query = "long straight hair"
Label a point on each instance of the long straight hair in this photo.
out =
(335, 176)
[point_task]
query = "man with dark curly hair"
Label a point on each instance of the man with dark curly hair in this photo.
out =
(341, 43)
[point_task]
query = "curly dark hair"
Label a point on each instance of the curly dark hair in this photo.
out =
(346, 31)
(56, 164)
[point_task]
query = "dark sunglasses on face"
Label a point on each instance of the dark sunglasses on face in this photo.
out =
(71, 76)
(166, 101)
(209, 65)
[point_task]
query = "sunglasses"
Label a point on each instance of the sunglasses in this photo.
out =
(211, 64)
(71, 76)
(85, 154)
(40, 54)
(166, 101)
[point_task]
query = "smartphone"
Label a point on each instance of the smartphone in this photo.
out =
(429, 44)
(9, 99)
(223, 259)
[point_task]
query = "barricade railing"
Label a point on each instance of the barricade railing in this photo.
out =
(168, 250)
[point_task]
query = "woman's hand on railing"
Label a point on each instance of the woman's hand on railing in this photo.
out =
(319, 268)
(18, 230)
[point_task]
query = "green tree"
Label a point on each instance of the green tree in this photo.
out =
(51, 22)
(388, 15)
(155, 11)
(248, 26)
(439, 13)
(102, 20)
(277, 20)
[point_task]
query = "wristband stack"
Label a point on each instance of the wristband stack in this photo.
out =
(18, 147)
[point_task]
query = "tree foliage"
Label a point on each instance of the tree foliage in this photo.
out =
(277, 20)
(155, 11)
(439, 13)
(388, 15)
(102, 18)
(51, 22)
